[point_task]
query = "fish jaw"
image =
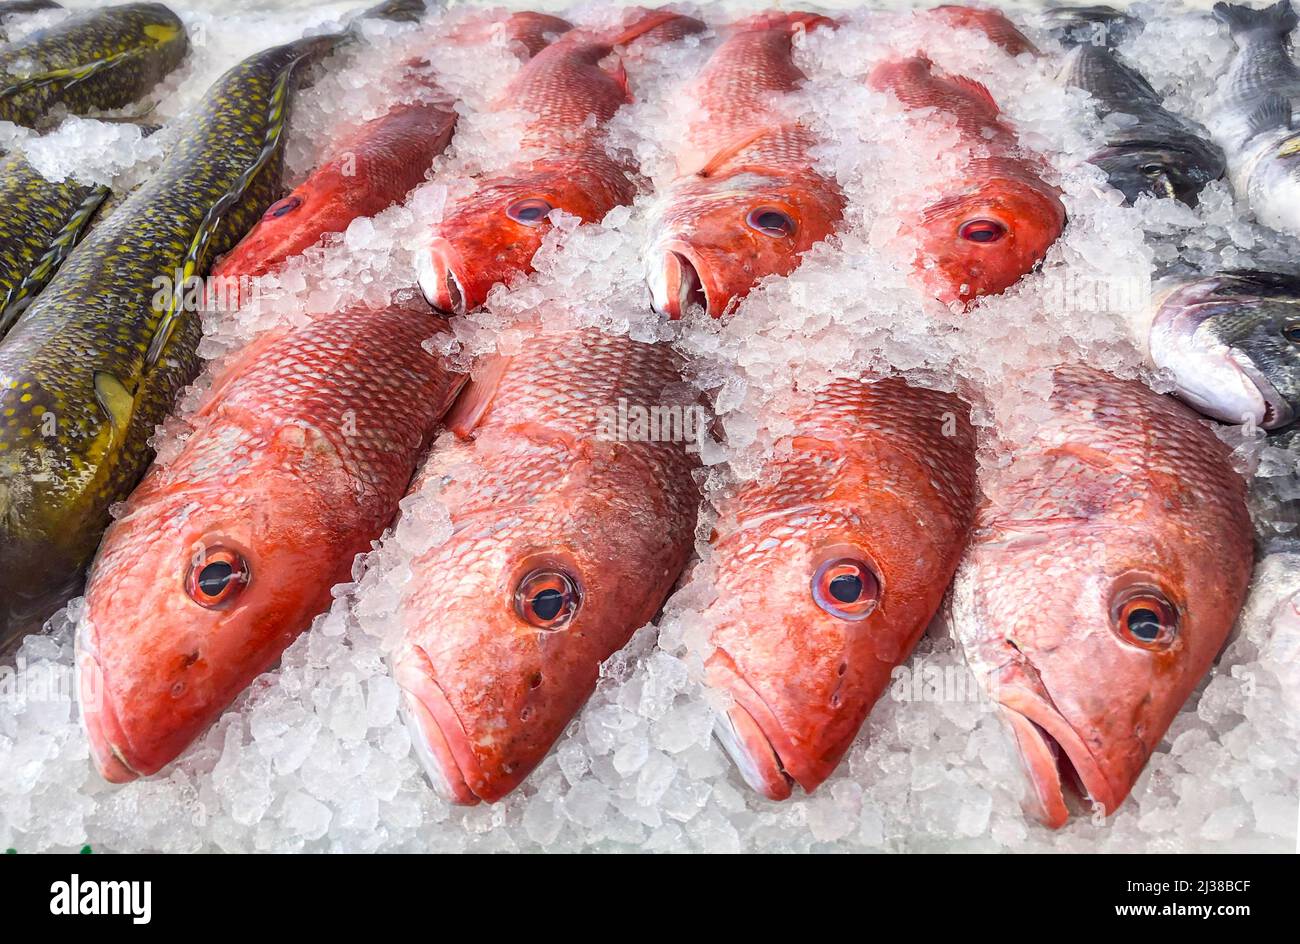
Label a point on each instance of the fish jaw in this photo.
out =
(679, 280)
(108, 740)
(1217, 379)
(441, 745)
(443, 279)
(745, 740)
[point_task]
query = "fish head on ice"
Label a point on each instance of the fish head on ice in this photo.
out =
(1176, 171)
(506, 624)
(1232, 343)
(1270, 178)
(984, 240)
(192, 596)
(491, 236)
(719, 236)
(1099, 602)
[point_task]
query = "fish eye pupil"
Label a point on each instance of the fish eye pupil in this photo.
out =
(846, 588)
(214, 577)
(547, 604)
(529, 211)
(1292, 332)
(770, 221)
(1152, 170)
(1144, 624)
(982, 231)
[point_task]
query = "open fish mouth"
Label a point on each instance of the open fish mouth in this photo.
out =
(1053, 755)
(441, 744)
(438, 273)
(678, 285)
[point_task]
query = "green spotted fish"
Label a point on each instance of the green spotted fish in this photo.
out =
(42, 221)
(91, 61)
(89, 369)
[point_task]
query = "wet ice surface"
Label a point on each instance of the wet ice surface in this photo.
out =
(315, 757)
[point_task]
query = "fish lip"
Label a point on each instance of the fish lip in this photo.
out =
(1046, 742)
(749, 742)
(99, 719)
(440, 273)
(679, 283)
(1174, 334)
(439, 738)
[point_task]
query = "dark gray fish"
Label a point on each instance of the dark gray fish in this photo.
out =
(1092, 25)
(1232, 342)
(1253, 119)
(1149, 149)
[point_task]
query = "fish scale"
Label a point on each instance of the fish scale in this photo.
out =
(1121, 502)
(79, 396)
(745, 203)
(96, 60)
(299, 456)
(491, 235)
(540, 489)
(881, 474)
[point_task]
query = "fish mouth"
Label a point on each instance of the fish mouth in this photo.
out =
(1216, 379)
(1052, 755)
(747, 740)
(679, 285)
(99, 718)
(440, 741)
(440, 273)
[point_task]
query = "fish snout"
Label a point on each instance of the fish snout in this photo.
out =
(442, 277)
(677, 285)
(440, 742)
(99, 718)
(752, 753)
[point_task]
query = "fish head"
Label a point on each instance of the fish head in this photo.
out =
(1160, 170)
(1273, 181)
(491, 236)
(718, 237)
(1232, 342)
(192, 596)
(984, 240)
(292, 224)
(1097, 631)
(507, 623)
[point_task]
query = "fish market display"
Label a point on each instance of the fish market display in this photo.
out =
(746, 203)
(826, 579)
(299, 457)
(1253, 118)
(97, 360)
(1109, 561)
(97, 60)
(567, 94)
(568, 531)
(1149, 149)
(996, 217)
(44, 222)
(754, 429)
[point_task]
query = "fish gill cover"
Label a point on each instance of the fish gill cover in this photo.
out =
(315, 756)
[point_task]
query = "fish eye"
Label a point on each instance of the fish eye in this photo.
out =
(547, 599)
(280, 208)
(1144, 617)
(771, 222)
(217, 577)
(530, 211)
(1151, 170)
(846, 588)
(981, 231)
(1291, 331)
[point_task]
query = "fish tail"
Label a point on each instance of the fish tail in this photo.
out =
(1277, 20)
(652, 21)
(792, 21)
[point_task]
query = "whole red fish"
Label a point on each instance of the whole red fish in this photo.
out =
(222, 557)
(491, 235)
(572, 520)
(827, 575)
(995, 217)
(1108, 563)
(746, 203)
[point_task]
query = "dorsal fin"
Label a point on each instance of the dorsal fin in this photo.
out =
(644, 25)
(977, 89)
(1273, 111)
(722, 156)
